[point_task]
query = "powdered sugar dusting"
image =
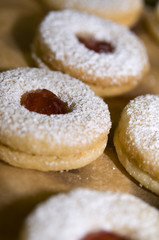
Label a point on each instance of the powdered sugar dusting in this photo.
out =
(58, 31)
(143, 127)
(88, 119)
(73, 215)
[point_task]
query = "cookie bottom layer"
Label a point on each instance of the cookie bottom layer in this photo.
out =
(102, 91)
(128, 17)
(51, 163)
(129, 164)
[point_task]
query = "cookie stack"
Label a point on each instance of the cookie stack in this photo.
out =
(105, 55)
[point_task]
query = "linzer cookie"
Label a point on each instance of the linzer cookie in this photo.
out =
(126, 12)
(50, 121)
(152, 22)
(91, 215)
(137, 140)
(104, 55)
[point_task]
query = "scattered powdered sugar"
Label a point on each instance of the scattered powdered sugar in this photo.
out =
(59, 31)
(143, 127)
(88, 119)
(82, 211)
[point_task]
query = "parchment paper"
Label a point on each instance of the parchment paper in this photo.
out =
(20, 189)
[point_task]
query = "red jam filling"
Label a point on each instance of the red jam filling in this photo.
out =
(96, 45)
(103, 235)
(43, 101)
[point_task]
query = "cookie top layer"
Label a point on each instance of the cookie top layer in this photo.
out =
(58, 39)
(21, 129)
(139, 134)
(82, 211)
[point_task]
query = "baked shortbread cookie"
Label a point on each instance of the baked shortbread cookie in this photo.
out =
(50, 121)
(126, 12)
(91, 215)
(104, 55)
(152, 22)
(137, 140)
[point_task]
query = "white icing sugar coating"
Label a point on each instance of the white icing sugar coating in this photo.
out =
(136, 140)
(143, 128)
(59, 31)
(23, 130)
(82, 211)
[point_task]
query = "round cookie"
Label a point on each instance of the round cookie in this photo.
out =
(88, 214)
(34, 139)
(137, 140)
(126, 12)
(104, 55)
(152, 22)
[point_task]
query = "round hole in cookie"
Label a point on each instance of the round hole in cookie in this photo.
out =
(98, 46)
(43, 101)
(104, 235)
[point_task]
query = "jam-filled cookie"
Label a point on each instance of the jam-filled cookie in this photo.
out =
(91, 215)
(104, 55)
(126, 12)
(49, 120)
(137, 140)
